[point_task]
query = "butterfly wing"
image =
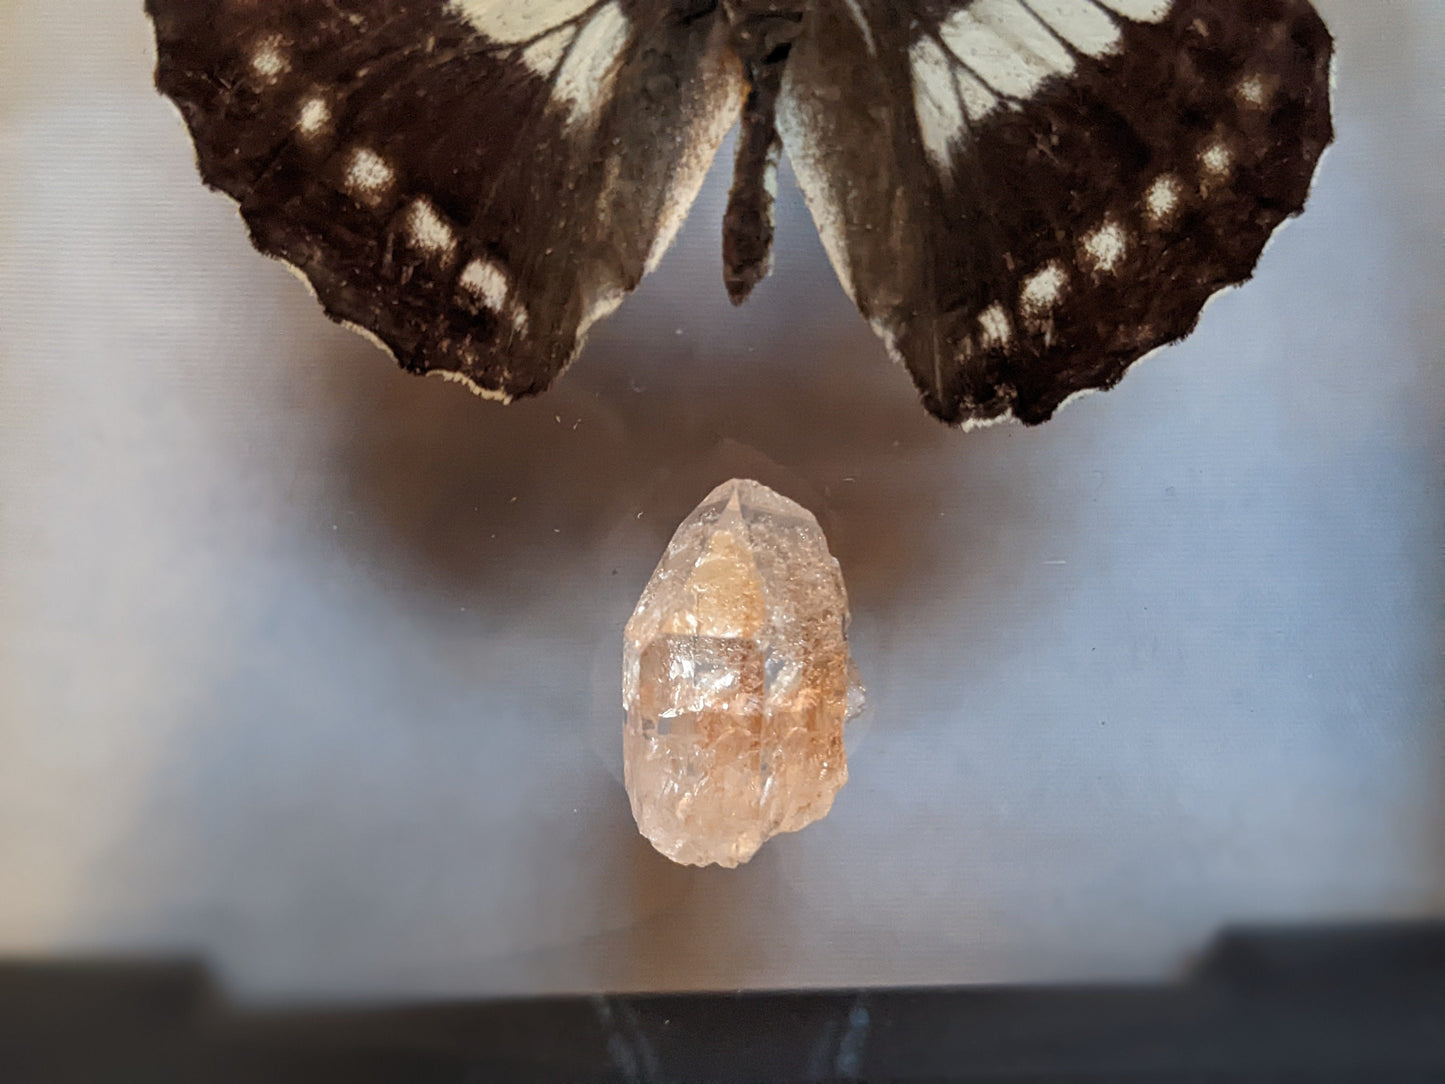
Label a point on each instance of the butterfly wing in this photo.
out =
(473, 182)
(1026, 196)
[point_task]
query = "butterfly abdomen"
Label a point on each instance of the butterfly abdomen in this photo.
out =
(762, 35)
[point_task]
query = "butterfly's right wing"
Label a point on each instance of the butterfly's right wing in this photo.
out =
(471, 181)
(1025, 196)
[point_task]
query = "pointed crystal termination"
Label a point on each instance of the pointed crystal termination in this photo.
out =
(736, 680)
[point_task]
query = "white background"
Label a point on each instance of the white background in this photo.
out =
(312, 666)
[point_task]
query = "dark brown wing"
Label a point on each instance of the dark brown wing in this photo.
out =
(473, 183)
(1026, 196)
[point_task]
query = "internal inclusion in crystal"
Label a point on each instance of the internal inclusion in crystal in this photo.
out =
(737, 680)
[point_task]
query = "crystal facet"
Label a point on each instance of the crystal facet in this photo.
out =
(736, 680)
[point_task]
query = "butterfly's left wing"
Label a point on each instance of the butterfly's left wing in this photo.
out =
(1025, 196)
(471, 181)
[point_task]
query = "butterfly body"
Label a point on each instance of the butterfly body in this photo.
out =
(1021, 196)
(762, 35)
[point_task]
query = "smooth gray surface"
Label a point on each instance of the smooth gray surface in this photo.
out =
(314, 666)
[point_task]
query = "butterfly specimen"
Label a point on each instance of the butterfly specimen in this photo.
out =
(1021, 196)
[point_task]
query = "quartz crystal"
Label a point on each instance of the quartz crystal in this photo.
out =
(736, 680)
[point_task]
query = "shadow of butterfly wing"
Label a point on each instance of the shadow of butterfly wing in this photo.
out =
(471, 184)
(1026, 196)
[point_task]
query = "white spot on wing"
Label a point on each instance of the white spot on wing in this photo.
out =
(1008, 49)
(313, 116)
(544, 54)
(1161, 201)
(941, 119)
(1255, 91)
(1105, 247)
(1082, 23)
(994, 326)
(978, 100)
(584, 81)
(1216, 161)
(429, 231)
(368, 176)
(512, 22)
(487, 282)
(267, 58)
(1044, 289)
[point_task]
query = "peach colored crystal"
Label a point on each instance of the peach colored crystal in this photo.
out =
(736, 680)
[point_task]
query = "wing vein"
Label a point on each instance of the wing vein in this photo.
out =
(972, 72)
(1065, 43)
